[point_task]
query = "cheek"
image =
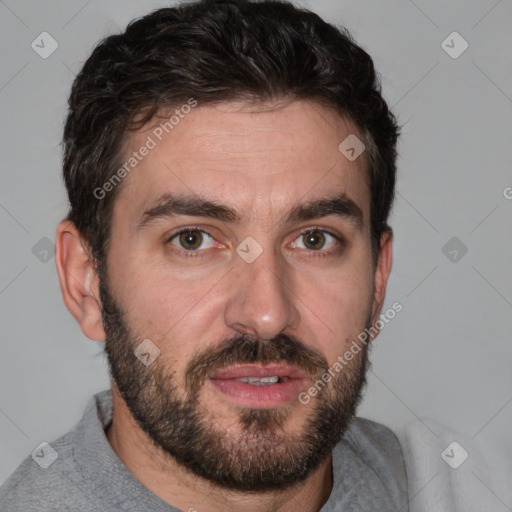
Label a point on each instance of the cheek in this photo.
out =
(178, 314)
(162, 306)
(338, 308)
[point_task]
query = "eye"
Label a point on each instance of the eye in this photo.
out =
(315, 240)
(192, 240)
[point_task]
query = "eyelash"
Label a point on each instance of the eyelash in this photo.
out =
(200, 253)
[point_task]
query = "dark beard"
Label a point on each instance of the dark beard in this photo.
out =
(261, 457)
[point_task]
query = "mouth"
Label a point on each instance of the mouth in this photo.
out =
(259, 386)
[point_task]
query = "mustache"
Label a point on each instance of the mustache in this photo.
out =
(246, 348)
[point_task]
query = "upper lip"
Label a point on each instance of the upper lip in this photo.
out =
(259, 370)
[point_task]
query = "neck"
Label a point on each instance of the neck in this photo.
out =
(181, 488)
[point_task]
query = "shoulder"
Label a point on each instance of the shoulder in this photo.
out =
(43, 482)
(50, 479)
(374, 441)
(379, 450)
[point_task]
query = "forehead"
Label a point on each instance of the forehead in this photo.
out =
(259, 158)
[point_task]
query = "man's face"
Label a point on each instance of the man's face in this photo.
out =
(220, 307)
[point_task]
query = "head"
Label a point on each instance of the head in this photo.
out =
(213, 213)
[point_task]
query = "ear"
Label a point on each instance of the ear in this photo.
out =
(79, 282)
(382, 271)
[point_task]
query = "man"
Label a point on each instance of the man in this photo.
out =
(230, 168)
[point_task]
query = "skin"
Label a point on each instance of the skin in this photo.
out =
(260, 161)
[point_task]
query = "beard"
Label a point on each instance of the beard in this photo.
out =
(261, 456)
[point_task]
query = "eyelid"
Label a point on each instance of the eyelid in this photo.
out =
(182, 229)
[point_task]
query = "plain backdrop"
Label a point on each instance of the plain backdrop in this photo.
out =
(444, 362)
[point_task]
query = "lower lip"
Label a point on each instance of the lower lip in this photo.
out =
(267, 396)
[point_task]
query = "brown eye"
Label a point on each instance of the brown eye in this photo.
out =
(314, 240)
(192, 240)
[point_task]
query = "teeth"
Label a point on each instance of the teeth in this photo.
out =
(260, 381)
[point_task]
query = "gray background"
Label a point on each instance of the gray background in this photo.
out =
(442, 365)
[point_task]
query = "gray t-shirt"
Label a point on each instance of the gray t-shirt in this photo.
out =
(80, 472)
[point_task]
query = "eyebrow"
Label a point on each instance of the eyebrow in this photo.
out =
(341, 206)
(170, 205)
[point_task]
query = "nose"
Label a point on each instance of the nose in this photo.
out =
(261, 302)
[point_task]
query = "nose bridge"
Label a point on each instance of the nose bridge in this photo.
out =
(261, 301)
